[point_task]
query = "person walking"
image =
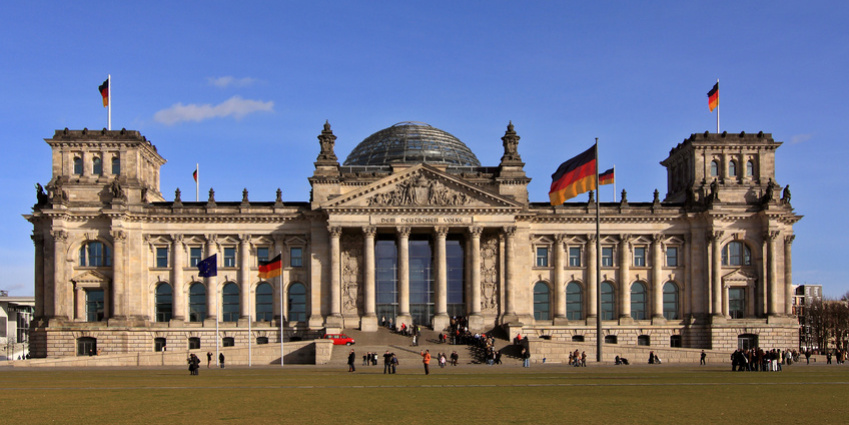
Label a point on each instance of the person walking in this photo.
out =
(426, 361)
(221, 359)
(208, 359)
(352, 357)
(526, 358)
(702, 358)
(387, 362)
(394, 363)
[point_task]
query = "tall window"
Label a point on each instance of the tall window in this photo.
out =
(455, 261)
(230, 303)
(297, 303)
(116, 166)
(264, 303)
(197, 302)
(94, 305)
(607, 257)
(714, 169)
(195, 254)
(670, 301)
(97, 166)
(78, 166)
(421, 280)
(638, 301)
(574, 301)
(542, 301)
(639, 256)
(750, 169)
(95, 254)
(386, 278)
(732, 169)
(262, 254)
(736, 302)
(672, 256)
(163, 302)
(296, 257)
(161, 258)
(608, 301)
(230, 257)
(542, 257)
(736, 254)
(574, 256)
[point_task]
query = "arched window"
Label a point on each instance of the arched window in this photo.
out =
(95, 254)
(750, 169)
(736, 254)
(638, 301)
(297, 303)
(608, 301)
(163, 302)
(230, 303)
(670, 301)
(732, 169)
(86, 346)
(197, 302)
(97, 166)
(714, 169)
(542, 301)
(78, 166)
(264, 303)
(116, 166)
(574, 301)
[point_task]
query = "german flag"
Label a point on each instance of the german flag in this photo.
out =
(605, 177)
(713, 97)
(104, 91)
(271, 268)
(574, 176)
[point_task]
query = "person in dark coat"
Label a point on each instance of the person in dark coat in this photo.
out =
(352, 357)
(221, 359)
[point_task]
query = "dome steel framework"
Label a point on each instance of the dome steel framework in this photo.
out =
(412, 143)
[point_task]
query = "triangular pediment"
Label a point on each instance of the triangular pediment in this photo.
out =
(90, 278)
(740, 276)
(420, 186)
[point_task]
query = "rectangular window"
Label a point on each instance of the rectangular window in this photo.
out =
(296, 257)
(607, 257)
(161, 258)
(116, 165)
(639, 256)
(262, 253)
(195, 254)
(94, 302)
(574, 256)
(672, 256)
(229, 257)
(542, 257)
(736, 302)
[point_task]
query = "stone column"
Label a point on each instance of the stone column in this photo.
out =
(335, 261)
(441, 320)
(79, 301)
(38, 240)
(716, 272)
(624, 277)
(118, 292)
(245, 306)
(510, 275)
(61, 289)
(177, 262)
(592, 278)
(788, 275)
(560, 278)
(475, 319)
(657, 285)
(403, 277)
(368, 323)
(772, 272)
(212, 298)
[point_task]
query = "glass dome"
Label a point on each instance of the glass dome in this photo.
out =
(412, 143)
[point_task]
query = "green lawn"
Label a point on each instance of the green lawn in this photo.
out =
(466, 394)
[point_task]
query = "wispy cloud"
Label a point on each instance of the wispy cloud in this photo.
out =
(800, 138)
(235, 107)
(228, 81)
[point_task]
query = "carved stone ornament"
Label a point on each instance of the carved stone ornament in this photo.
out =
(489, 274)
(419, 191)
(327, 140)
(352, 254)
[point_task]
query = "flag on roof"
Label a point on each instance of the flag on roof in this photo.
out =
(577, 175)
(713, 97)
(104, 91)
(606, 177)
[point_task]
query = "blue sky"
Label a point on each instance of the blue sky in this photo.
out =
(245, 89)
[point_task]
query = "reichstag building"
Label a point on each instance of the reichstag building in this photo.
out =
(410, 228)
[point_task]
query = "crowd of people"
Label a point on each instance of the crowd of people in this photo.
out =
(760, 360)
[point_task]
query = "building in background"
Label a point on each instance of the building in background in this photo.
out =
(15, 317)
(412, 228)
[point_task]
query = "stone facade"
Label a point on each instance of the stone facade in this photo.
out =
(115, 262)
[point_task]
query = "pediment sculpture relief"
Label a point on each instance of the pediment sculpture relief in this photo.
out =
(420, 191)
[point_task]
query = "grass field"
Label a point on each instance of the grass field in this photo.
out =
(463, 394)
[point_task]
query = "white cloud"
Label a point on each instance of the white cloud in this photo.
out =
(233, 107)
(222, 82)
(800, 138)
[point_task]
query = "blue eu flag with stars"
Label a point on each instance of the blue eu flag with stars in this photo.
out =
(208, 267)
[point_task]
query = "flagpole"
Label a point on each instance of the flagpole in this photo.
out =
(599, 313)
(717, 107)
(109, 102)
(217, 319)
(250, 345)
(280, 281)
(614, 181)
(197, 180)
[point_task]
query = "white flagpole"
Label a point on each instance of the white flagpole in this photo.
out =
(599, 317)
(614, 182)
(280, 280)
(109, 102)
(250, 345)
(217, 319)
(717, 105)
(197, 182)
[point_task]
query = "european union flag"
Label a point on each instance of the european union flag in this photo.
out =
(208, 267)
